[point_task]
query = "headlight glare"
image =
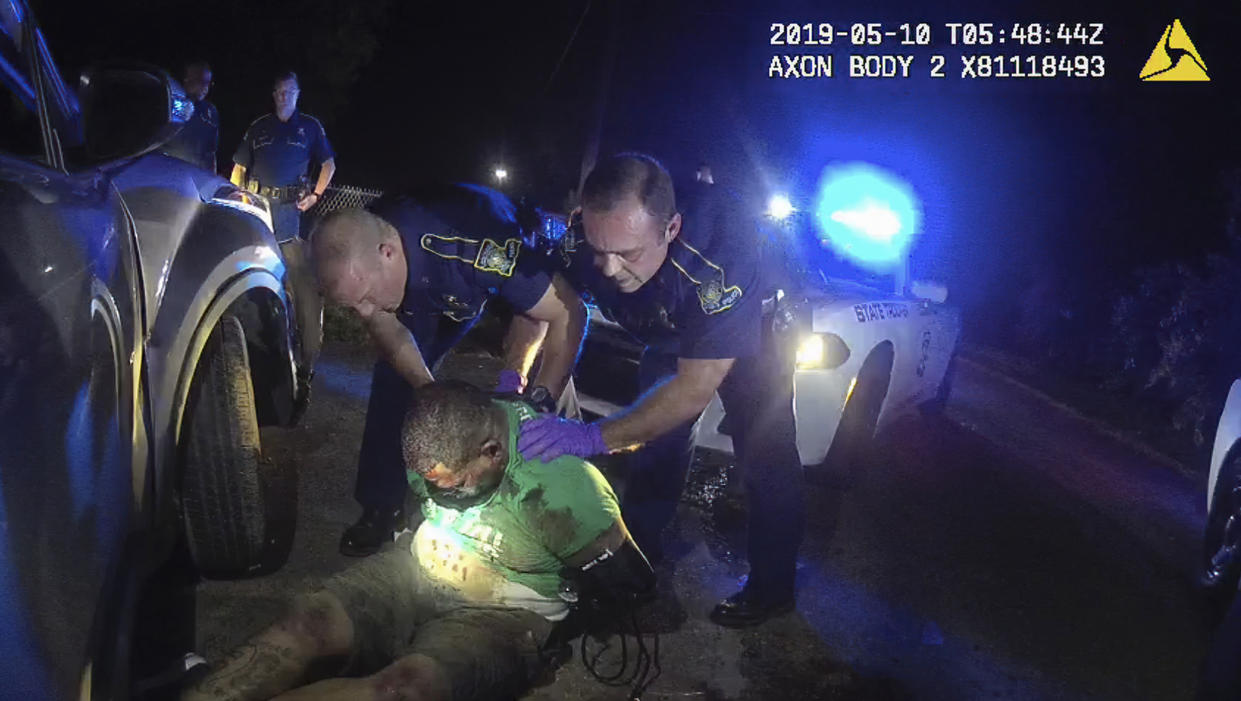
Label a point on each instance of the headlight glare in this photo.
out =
(821, 351)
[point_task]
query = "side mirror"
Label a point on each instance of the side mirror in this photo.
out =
(130, 110)
(931, 291)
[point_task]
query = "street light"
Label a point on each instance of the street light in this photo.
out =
(501, 173)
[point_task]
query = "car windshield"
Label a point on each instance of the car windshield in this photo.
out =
(19, 121)
(19, 106)
(62, 102)
(11, 64)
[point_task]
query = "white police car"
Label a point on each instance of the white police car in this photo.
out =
(863, 358)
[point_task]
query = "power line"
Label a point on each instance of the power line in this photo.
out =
(569, 44)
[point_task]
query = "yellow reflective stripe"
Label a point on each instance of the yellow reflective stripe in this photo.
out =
(700, 255)
(684, 272)
(422, 242)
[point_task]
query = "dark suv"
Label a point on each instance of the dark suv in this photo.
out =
(145, 336)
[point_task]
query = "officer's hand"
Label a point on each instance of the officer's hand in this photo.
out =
(307, 202)
(549, 437)
(509, 381)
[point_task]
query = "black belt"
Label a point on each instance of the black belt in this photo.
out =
(288, 193)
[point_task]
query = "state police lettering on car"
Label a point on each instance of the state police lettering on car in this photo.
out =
(879, 311)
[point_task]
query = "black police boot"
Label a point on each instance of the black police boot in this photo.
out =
(372, 530)
(749, 608)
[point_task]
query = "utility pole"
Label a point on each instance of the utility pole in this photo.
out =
(594, 133)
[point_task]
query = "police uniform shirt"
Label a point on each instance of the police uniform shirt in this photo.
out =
(199, 139)
(462, 245)
(705, 301)
(277, 153)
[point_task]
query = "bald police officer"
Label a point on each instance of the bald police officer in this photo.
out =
(690, 286)
(418, 268)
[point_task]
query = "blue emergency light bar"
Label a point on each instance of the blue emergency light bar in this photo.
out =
(866, 214)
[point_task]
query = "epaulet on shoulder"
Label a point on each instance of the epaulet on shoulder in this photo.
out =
(256, 121)
(312, 118)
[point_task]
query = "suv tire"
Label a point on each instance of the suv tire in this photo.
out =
(237, 504)
(1220, 579)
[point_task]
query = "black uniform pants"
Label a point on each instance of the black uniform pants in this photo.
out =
(758, 398)
(381, 481)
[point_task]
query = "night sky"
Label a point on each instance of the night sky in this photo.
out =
(1077, 179)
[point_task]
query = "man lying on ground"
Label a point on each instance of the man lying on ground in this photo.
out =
(464, 610)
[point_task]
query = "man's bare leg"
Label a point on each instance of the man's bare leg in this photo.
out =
(277, 659)
(411, 678)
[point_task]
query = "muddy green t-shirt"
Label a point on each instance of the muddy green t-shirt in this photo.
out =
(509, 549)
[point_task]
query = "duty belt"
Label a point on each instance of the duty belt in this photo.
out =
(288, 193)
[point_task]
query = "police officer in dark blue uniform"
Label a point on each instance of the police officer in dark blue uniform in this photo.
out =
(419, 268)
(273, 160)
(277, 152)
(691, 286)
(199, 139)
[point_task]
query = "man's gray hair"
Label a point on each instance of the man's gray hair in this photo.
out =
(448, 422)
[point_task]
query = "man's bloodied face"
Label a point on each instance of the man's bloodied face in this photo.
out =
(629, 243)
(468, 484)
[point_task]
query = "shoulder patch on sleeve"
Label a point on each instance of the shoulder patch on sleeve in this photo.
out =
(714, 294)
(485, 255)
(498, 258)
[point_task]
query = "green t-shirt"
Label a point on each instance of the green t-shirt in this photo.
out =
(509, 549)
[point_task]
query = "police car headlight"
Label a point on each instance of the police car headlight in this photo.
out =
(821, 351)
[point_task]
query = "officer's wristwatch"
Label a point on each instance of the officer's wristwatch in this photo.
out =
(541, 398)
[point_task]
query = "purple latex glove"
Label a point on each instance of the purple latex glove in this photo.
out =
(509, 381)
(548, 437)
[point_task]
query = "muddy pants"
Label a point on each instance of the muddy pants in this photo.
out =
(488, 652)
(758, 400)
(381, 481)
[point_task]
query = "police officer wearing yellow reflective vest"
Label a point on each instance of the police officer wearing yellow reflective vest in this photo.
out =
(418, 268)
(689, 285)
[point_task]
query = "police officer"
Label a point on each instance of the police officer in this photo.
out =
(276, 153)
(689, 286)
(418, 268)
(199, 139)
(272, 160)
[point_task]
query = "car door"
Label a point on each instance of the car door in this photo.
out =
(68, 364)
